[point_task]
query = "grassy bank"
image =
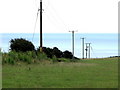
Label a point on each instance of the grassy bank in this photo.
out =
(30, 57)
(97, 73)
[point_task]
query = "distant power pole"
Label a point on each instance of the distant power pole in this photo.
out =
(83, 47)
(89, 49)
(86, 49)
(41, 26)
(73, 42)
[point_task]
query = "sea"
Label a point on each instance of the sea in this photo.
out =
(102, 44)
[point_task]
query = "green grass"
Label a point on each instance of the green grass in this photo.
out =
(97, 73)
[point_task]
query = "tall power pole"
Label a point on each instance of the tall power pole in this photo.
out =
(41, 26)
(73, 42)
(83, 47)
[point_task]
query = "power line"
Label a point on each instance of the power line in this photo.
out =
(93, 51)
(52, 17)
(35, 25)
(62, 22)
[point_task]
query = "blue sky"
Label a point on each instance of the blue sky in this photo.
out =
(103, 45)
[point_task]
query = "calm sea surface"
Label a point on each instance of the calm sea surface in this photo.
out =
(102, 45)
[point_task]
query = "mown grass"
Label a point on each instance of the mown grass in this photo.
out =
(97, 73)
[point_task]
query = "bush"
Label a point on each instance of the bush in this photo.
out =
(55, 59)
(27, 58)
(8, 58)
(57, 52)
(47, 51)
(4, 58)
(41, 56)
(32, 56)
(21, 45)
(11, 60)
(67, 54)
(21, 56)
(13, 55)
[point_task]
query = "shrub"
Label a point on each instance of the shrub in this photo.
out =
(57, 52)
(10, 57)
(41, 56)
(11, 60)
(6, 58)
(20, 56)
(13, 55)
(67, 54)
(55, 59)
(27, 58)
(47, 51)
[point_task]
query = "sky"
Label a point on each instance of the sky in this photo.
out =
(59, 16)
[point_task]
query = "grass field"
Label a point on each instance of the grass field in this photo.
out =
(97, 73)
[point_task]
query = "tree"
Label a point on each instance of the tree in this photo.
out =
(21, 45)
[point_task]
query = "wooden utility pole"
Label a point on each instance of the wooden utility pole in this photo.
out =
(83, 47)
(73, 42)
(86, 49)
(41, 26)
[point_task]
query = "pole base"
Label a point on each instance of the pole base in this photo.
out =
(41, 49)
